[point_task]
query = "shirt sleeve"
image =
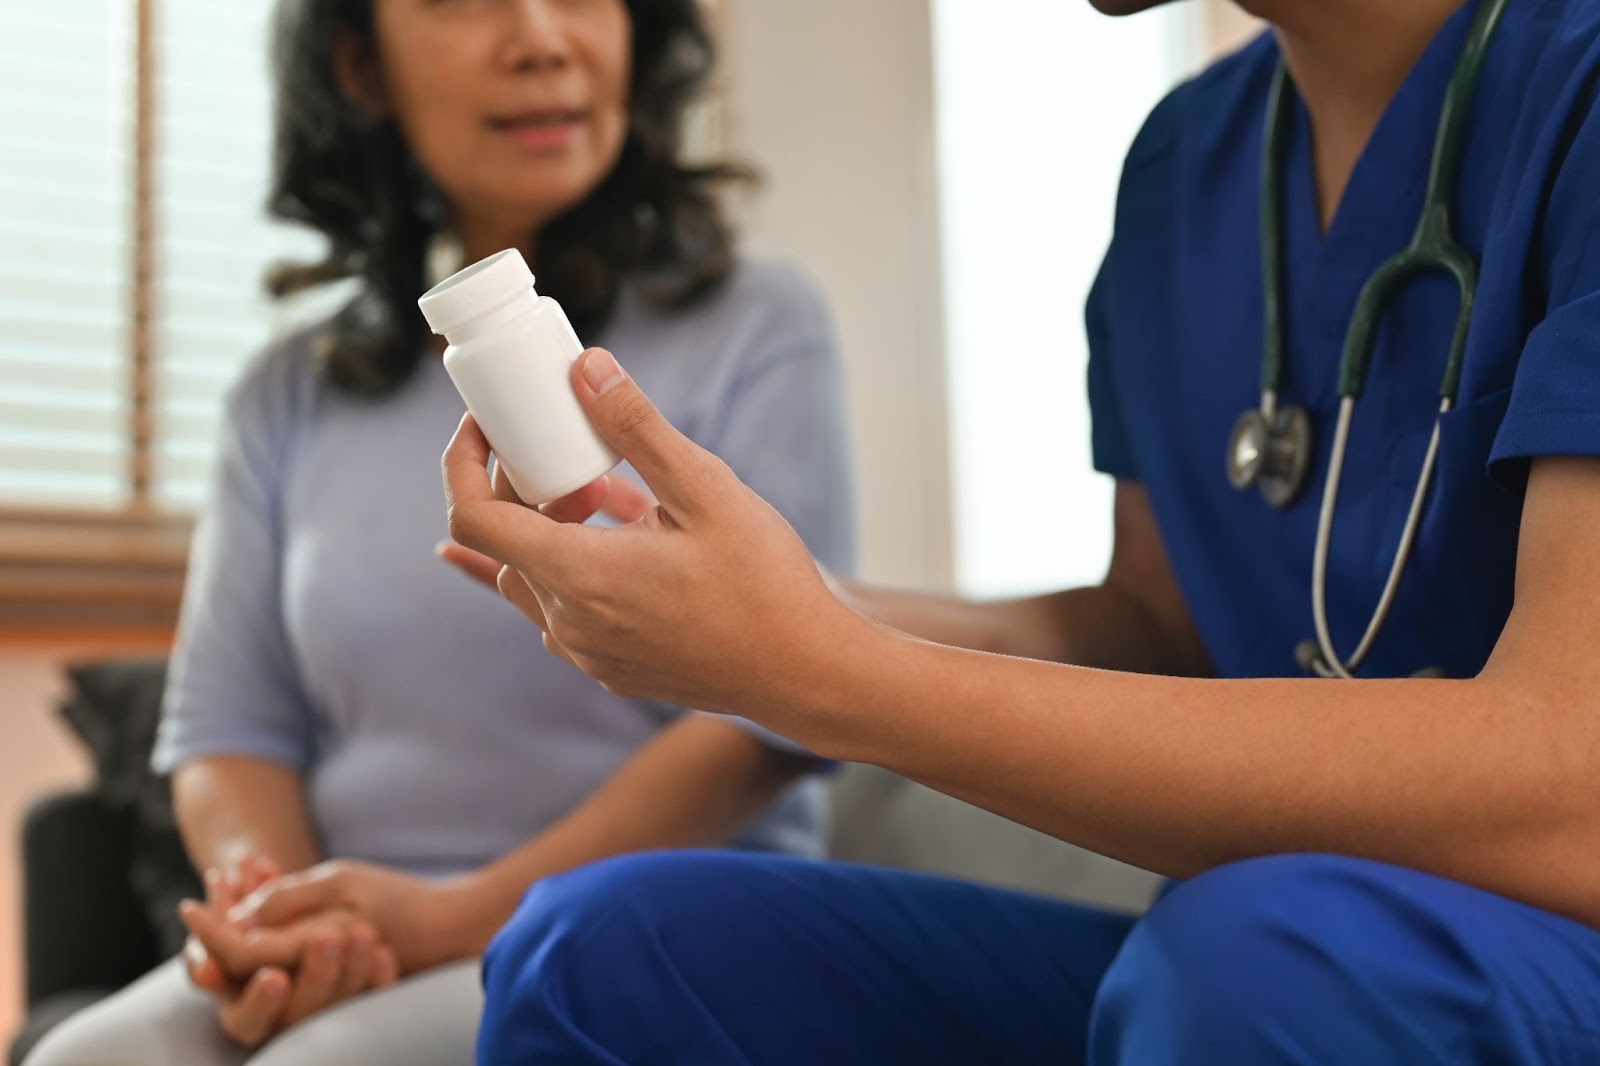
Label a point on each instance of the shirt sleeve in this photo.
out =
(783, 430)
(1144, 203)
(234, 687)
(1109, 447)
(1554, 407)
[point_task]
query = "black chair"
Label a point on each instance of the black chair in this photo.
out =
(103, 868)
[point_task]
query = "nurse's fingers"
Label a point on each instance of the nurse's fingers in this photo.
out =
(500, 484)
(681, 474)
(475, 565)
(498, 528)
(525, 597)
(559, 650)
(579, 506)
(615, 496)
(627, 502)
(574, 507)
(522, 595)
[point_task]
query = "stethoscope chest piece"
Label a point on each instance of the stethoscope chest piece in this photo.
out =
(1271, 449)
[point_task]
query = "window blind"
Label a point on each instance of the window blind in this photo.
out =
(66, 74)
(67, 135)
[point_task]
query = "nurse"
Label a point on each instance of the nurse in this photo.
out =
(1393, 869)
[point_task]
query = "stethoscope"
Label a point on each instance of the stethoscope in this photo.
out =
(1270, 447)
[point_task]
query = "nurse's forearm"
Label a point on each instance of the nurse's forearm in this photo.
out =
(232, 806)
(1487, 781)
(1136, 619)
(696, 784)
(1100, 626)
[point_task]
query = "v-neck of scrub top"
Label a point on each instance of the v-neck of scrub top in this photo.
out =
(1375, 218)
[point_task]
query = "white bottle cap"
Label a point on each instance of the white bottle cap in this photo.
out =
(485, 286)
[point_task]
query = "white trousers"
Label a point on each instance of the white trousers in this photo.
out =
(161, 1019)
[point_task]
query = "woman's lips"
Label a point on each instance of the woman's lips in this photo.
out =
(539, 129)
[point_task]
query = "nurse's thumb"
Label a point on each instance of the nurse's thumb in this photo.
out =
(672, 465)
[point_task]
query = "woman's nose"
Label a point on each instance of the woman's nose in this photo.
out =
(536, 35)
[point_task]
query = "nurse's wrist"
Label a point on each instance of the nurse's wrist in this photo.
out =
(827, 701)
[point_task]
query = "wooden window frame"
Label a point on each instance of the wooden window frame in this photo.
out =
(81, 569)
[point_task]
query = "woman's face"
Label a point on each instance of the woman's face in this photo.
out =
(516, 108)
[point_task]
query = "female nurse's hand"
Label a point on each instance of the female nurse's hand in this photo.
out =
(708, 600)
(426, 923)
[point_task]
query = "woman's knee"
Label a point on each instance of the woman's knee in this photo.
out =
(424, 1020)
(74, 1041)
(157, 1020)
(1314, 957)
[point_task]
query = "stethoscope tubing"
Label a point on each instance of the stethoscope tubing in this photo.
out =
(1330, 664)
(1432, 248)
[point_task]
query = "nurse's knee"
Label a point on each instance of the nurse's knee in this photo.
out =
(551, 975)
(609, 901)
(1257, 954)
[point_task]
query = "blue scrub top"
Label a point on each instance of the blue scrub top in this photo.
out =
(1175, 329)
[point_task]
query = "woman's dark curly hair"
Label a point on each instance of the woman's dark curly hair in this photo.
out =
(353, 178)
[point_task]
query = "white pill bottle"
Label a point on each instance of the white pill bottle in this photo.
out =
(510, 356)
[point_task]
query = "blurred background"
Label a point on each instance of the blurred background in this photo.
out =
(945, 169)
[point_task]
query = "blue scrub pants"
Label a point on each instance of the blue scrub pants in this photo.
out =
(721, 958)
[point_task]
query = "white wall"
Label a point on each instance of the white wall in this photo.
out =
(1038, 103)
(834, 100)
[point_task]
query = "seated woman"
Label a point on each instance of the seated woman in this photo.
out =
(342, 704)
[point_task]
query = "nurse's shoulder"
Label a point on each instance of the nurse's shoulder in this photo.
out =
(1544, 56)
(1201, 128)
